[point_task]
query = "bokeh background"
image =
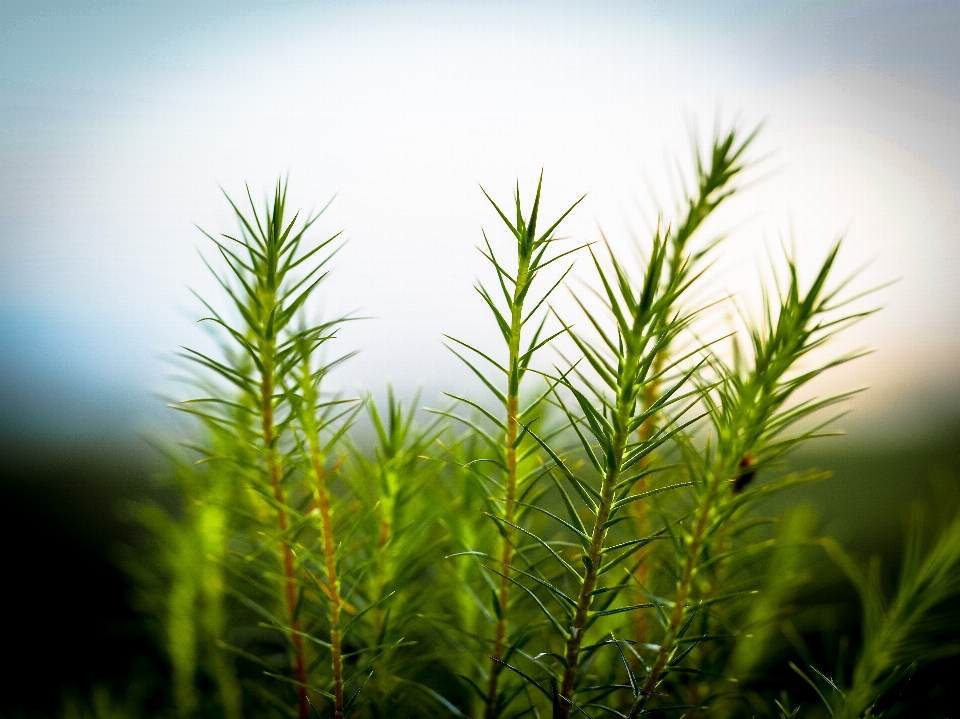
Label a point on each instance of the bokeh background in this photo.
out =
(118, 121)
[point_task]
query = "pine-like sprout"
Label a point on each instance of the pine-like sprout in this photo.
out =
(512, 317)
(751, 417)
(398, 475)
(269, 282)
(400, 450)
(609, 413)
(715, 181)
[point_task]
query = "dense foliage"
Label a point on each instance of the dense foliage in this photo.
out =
(586, 540)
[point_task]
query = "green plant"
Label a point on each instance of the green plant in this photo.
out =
(751, 421)
(515, 286)
(272, 420)
(911, 629)
(594, 545)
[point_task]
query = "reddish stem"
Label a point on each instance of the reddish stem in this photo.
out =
(289, 571)
(333, 583)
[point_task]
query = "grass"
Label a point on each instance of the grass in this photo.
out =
(589, 542)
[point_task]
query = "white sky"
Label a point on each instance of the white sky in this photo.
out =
(118, 121)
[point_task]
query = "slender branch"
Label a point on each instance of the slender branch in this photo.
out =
(577, 627)
(724, 166)
(289, 571)
(639, 509)
(679, 610)
(333, 581)
(506, 549)
(626, 404)
(531, 249)
(380, 564)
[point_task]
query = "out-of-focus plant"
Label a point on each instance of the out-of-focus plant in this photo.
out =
(916, 626)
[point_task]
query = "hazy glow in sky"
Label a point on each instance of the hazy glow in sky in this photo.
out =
(119, 119)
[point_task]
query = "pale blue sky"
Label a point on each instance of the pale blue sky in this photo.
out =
(119, 119)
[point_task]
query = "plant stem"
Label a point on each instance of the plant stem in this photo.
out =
(381, 569)
(585, 599)
(639, 509)
(333, 582)
(697, 211)
(683, 593)
(506, 551)
(626, 402)
(289, 571)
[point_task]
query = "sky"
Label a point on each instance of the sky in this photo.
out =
(121, 121)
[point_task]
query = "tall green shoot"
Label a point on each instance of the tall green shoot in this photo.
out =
(512, 316)
(715, 180)
(751, 417)
(268, 288)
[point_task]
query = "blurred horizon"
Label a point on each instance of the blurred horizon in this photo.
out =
(118, 120)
